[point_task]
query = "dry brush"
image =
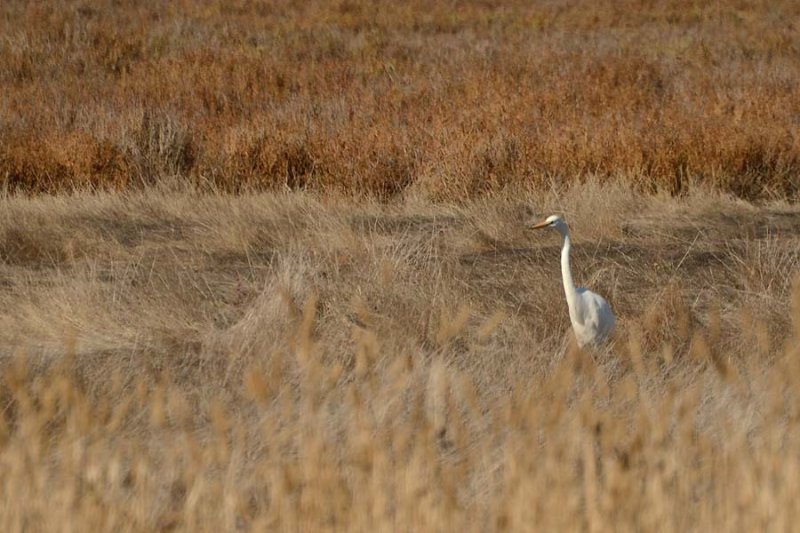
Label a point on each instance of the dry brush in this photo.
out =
(382, 97)
(184, 361)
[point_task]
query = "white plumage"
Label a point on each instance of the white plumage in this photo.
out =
(591, 316)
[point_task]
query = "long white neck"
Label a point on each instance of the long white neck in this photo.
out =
(566, 272)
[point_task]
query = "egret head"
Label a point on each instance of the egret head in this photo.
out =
(553, 221)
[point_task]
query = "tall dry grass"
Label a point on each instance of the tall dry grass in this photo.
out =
(382, 97)
(192, 362)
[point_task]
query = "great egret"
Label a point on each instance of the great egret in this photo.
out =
(590, 314)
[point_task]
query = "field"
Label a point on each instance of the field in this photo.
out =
(264, 266)
(192, 361)
(380, 97)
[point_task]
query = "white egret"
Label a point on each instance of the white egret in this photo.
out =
(590, 314)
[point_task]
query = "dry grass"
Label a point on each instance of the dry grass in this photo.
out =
(184, 361)
(175, 357)
(382, 97)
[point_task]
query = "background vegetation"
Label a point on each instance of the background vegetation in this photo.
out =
(263, 265)
(453, 99)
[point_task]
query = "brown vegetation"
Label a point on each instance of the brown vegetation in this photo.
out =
(183, 361)
(379, 97)
(175, 357)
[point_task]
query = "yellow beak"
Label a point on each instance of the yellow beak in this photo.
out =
(540, 225)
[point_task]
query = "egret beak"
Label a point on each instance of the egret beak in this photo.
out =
(540, 225)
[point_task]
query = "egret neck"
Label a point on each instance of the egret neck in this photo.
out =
(566, 273)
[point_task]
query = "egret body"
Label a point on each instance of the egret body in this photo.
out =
(591, 316)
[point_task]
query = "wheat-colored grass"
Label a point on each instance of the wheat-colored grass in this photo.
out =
(193, 362)
(174, 357)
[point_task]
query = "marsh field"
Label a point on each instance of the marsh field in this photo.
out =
(264, 265)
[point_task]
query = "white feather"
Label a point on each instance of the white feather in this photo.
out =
(591, 316)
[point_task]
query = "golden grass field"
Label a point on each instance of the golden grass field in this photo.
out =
(378, 97)
(264, 265)
(278, 361)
